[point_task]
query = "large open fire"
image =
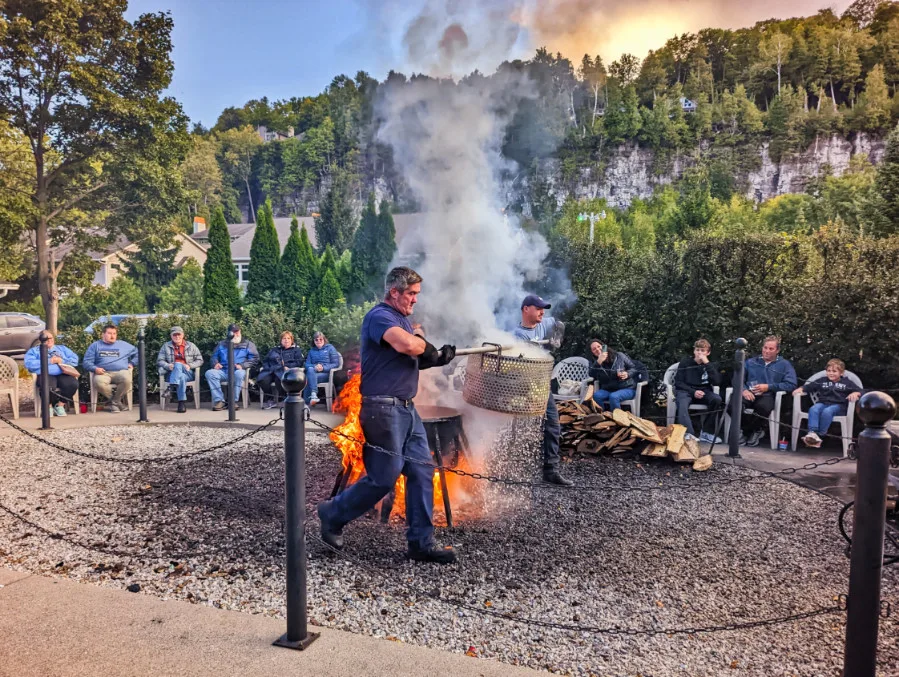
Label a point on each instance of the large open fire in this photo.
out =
(348, 437)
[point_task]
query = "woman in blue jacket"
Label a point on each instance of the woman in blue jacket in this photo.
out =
(62, 371)
(279, 359)
(321, 359)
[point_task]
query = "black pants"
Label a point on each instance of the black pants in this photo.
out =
(684, 400)
(62, 387)
(762, 407)
(271, 385)
(552, 430)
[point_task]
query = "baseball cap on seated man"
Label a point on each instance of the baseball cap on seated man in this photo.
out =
(534, 300)
(176, 330)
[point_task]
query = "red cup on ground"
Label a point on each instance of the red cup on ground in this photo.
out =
(83, 407)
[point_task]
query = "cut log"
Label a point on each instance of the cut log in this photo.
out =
(588, 446)
(702, 463)
(621, 417)
(655, 450)
(689, 451)
(676, 439)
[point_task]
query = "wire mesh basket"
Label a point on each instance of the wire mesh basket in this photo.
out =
(512, 385)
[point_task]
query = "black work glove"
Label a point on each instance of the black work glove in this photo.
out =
(447, 353)
(429, 358)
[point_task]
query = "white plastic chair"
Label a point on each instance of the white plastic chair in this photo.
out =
(165, 392)
(773, 417)
(671, 408)
(244, 391)
(76, 404)
(94, 394)
(846, 422)
(329, 384)
(9, 382)
(571, 369)
(634, 404)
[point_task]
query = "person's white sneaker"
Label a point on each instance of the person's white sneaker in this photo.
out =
(688, 436)
(711, 439)
(59, 410)
(812, 440)
(313, 401)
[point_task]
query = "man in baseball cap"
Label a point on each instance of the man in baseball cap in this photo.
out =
(176, 362)
(245, 358)
(535, 327)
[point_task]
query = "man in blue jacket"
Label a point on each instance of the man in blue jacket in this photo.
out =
(245, 358)
(111, 362)
(321, 359)
(62, 371)
(766, 375)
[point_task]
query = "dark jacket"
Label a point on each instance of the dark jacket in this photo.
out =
(606, 374)
(779, 375)
(832, 392)
(691, 376)
(279, 359)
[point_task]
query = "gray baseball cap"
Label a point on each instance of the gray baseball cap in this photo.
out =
(176, 330)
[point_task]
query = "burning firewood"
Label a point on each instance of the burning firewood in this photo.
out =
(587, 429)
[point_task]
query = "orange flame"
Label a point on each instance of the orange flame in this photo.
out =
(348, 437)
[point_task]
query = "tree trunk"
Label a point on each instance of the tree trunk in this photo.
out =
(833, 95)
(47, 273)
(250, 199)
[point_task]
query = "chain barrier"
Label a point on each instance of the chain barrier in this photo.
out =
(150, 459)
(591, 629)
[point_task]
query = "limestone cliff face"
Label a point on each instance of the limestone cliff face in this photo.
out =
(633, 172)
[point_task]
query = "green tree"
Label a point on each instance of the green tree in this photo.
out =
(774, 52)
(152, 266)
(15, 207)
(84, 86)
(888, 183)
(184, 294)
(374, 245)
(238, 148)
(202, 174)
(329, 294)
(265, 253)
(125, 297)
(785, 123)
(873, 110)
(309, 262)
(336, 225)
(293, 278)
(220, 290)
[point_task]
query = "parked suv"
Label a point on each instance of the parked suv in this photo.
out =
(18, 332)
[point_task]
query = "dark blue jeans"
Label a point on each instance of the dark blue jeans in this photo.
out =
(398, 429)
(552, 431)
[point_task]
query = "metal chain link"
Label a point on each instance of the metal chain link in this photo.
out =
(692, 486)
(150, 459)
(592, 629)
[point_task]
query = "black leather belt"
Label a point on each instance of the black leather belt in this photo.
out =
(386, 399)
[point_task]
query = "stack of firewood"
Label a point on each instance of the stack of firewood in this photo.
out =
(587, 429)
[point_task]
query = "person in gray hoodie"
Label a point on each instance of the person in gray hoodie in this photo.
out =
(176, 362)
(111, 362)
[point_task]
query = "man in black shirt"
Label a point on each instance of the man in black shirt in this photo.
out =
(693, 384)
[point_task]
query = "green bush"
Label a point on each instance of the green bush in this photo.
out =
(343, 325)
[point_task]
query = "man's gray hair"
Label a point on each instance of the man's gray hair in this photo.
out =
(400, 278)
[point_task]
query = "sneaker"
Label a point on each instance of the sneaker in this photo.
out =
(219, 406)
(113, 409)
(710, 438)
(688, 436)
(755, 438)
(237, 405)
(812, 440)
(59, 410)
(313, 401)
(182, 406)
(269, 404)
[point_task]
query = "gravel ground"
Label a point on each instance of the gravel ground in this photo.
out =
(209, 530)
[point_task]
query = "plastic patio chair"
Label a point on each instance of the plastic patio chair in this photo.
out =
(846, 422)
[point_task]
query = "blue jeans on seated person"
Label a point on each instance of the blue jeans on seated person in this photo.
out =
(396, 428)
(214, 378)
(614, 398)
(820, 416)
(180, 376)
(313, 378)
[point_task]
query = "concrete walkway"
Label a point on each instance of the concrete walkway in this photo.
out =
(57, 627)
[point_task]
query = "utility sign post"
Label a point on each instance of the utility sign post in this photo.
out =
(592, 217)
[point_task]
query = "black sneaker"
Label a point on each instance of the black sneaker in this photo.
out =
(182, 406)
(237, 405)
(432, 554)
(553, 477)
(755, 438)
(331, 534)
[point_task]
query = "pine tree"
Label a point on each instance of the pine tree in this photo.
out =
(152, 267)
(329, 294)
(184, 294)
(373, 248)
(336, 225)
(309, 261)
(264, 258)
(888, 183)
(220, 290)
(328, 262)
(292, 278)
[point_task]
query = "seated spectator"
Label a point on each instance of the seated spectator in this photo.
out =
(320, 360)
(62, 372)
(176, 361)
(613, 374)
(245, 358)
(693, 384)
(766, 375)
(835, 393)
(279, 359)
(111, 362)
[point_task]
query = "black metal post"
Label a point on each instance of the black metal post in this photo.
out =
(45, 383)
(297, 635)
(231, 384)
(142, 374)
(866, 557)
(736, 399)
